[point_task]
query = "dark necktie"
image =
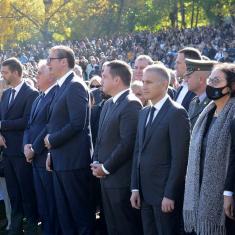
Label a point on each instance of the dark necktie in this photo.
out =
(12, 97)
(150, 120)
(38, 104)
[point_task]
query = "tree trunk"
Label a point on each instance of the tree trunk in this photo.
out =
(198, 10)
(119, 16)
(192, 16)
(182, 12)
(173, 14)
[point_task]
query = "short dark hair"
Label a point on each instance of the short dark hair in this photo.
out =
(14, 65)
(191, 53)
(65, 52)
(121, 69)
(229, 70)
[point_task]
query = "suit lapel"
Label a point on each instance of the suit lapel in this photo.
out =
(116, 105)
(18, 97)
(143, 120)
(47, 98)
(202, 105)
(60, 91)
(161, 114)
(34, 105)
(103, 116)
(106, 117)
(178, 92)
(5, 103)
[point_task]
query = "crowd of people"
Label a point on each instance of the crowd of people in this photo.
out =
(216, 43)
(128, 144)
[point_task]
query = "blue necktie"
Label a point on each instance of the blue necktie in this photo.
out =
(150, 120)
(38, 104)
(12, 97)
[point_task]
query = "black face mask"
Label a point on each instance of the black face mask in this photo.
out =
(215, 93)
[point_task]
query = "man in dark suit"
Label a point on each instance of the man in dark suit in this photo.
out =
(69, 143)
(197, 73)
(160, 157)
(183, 95)
(114, 148)
(15, 111)
(36, 152)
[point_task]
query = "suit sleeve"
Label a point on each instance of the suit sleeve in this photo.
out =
(20, 123)
(230, 179)
(134, 175)
(77, 104)
(124, 150)
(102, 114)
(179, 134)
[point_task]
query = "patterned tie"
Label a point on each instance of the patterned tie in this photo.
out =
(12, 97)
(38, 104)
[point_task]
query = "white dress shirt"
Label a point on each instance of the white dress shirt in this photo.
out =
(17, 89)
(182, 93)
(63, 78)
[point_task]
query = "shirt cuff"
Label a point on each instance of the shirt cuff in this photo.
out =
(104, 170)
(135, 190)
(228, 193)
(48, 139)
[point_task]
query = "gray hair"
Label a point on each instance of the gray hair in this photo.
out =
(145, 57)
(159, 70)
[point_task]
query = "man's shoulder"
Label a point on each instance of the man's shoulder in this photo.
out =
(29, 89)
(131, 98)
(175, 107)
(78, 82)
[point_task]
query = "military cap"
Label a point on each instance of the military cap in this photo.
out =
(198, 65)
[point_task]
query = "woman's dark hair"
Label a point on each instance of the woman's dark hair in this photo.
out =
(229, 70)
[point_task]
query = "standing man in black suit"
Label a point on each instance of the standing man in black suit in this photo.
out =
(160, 157)
(15, 111)
(114, 149)
(36, 152)
(69, 141)
(183, 95)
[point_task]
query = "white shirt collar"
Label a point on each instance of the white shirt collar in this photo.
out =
(18, 87)
(115, 98)
(48, 89)
(63, 78)
(160, 103)
(202, 96)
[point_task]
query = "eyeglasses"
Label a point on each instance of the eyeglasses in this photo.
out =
(214, 81)
(49, 59)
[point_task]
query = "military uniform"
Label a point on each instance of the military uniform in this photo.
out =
(196, 107)
(200, 101)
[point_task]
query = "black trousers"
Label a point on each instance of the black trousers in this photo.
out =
(120, 217)
(19, 181)
(72, 191)
(155, 222)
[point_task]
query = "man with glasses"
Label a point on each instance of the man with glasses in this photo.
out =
(196, 74)
(69, 143)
